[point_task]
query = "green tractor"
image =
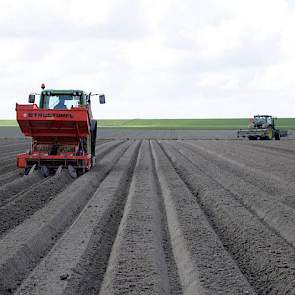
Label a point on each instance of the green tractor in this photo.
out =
(262, 127)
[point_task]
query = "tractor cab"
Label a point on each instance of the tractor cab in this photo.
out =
(51, 99)
(263, 121)
(62, 100)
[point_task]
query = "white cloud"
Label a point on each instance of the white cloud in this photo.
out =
(164, 58)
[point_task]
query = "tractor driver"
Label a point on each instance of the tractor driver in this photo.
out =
(61, 104)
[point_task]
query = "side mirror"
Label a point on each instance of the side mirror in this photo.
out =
(102, 99)
(32, 98)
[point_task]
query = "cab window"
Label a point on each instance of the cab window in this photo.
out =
(269, 121)
(60, 101)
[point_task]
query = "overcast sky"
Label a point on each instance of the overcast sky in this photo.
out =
(153, 59)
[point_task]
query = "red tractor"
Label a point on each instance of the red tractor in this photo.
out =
(62, 129)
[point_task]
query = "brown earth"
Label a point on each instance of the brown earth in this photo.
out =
(137, 133)
(153, 217)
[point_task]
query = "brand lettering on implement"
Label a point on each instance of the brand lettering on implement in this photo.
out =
(49, 115)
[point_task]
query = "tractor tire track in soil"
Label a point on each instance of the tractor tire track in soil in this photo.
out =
(152, 217)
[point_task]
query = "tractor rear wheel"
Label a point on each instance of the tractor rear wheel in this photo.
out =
(93, 129)
(277, 136)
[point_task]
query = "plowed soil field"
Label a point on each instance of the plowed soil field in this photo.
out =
(153, 217)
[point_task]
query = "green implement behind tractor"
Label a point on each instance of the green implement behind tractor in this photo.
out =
(262, 127)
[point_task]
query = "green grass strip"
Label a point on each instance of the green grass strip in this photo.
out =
(171, 124)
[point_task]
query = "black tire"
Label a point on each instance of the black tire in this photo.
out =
(277, 136)
(252, 137)
(93, 129)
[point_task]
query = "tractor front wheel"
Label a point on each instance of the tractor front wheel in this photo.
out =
(270, 133)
